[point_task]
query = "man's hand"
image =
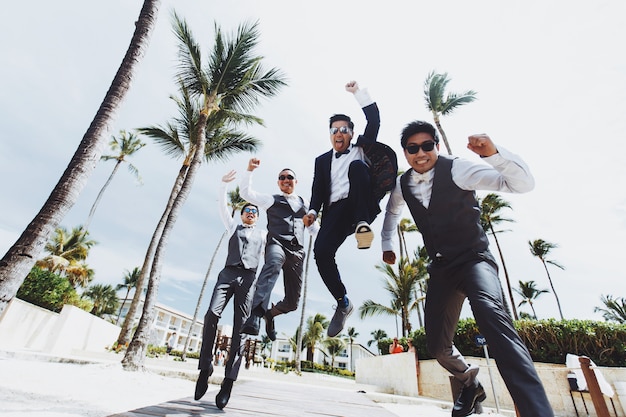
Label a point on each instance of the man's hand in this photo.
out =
(482, 145)
(308, 219)
(352, 87)
(228, 177)
(389, 257)
(253, 164)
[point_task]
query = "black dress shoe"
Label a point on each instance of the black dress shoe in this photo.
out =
(464, 405)
(252, 325)
(270, 328)
(202, 384)
(222, 397)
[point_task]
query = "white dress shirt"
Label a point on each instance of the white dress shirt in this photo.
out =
(506, 172)
(229, 220)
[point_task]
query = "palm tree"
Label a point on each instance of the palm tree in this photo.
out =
(540, 248)
(352, 334)
(490, 207)
(377, 335)
(236, 203)
(405, 226)
(434, 91)
(21, 257)
(67, 250)
(615, 309)
(128, 144)
(530, 293)
(315, 328)
(334, 346)
(230, 83)
(104, 298)
(401, 287)
(130, 282)
(178, 139)
(305, 281)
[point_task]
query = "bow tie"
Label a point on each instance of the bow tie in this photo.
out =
(338, 154)
(417, 177)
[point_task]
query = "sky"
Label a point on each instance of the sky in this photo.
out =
(550, 84)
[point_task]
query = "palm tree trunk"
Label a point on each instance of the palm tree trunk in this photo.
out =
(95, 203)
(442, 133)
(558, 303)
(302, 313)
(202, 289)
(21, 257)
(136, 352)
(119, 313)
(125, 333)
(506, 274)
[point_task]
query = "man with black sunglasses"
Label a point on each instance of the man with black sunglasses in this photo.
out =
(245, 249)
(342, 186)
(284, 250)
(440, 194)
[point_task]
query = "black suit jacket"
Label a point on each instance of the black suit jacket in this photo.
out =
(320, 195)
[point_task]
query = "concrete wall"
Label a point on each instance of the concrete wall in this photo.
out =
(394, 374)
(25, 326)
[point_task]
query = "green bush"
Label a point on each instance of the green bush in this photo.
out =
(548, 341)
(50, 291)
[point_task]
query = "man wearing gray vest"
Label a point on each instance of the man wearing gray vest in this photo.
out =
(245, 249)
(284, 250)
(440, 194)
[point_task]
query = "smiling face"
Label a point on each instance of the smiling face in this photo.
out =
(421, 161)
(340, 140)
(288, 181)
(249, 214)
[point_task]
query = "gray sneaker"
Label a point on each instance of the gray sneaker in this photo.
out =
(339, 319)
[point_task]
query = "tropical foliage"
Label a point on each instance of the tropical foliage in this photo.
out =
(541, 249)
(377, 336)
(530, 293)
(104, 299)
(614, 309)
(130, 282)
(51, 291)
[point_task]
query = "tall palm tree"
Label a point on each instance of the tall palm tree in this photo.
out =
(178, 139)
(67, 251)
(315, 327)
(20, 257)
(615, 309)
(530, 293)
(305, 281)
(377, 336)
(128, 144)
(231, 82)
(235, 202)
(490, 207)
(401, 287)
(541, 249)
(352, 334)
(334, 346)
(434, 92)
(104, 298)
(420, 264)
(130, 282)
(405, 226)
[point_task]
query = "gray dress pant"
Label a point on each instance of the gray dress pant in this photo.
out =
(279, 257)
(476, 277)
(231, 281)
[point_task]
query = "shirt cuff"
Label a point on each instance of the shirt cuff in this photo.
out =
(363, 97)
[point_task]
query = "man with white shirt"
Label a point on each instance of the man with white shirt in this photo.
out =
(342, 186)
(440, 194)
(284, 250)
(245, 249)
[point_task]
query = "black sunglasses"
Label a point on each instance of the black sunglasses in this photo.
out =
(414, 148)
(286, 177)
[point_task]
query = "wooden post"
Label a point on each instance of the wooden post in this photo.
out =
(594, 388)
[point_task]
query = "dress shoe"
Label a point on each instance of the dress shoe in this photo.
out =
(202, 384)
(222, 397)
(339, 319)
(465, 404)
(252, 325)
(270, 328)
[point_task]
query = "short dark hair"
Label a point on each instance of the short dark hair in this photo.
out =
(418, 126)
(288, 169)
(258, 212)
(337, 117)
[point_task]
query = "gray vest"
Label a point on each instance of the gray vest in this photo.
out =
(242, 251)
(450, 225)
(285, 225)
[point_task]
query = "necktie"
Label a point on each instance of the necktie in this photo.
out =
(417, 177)
(338, 154)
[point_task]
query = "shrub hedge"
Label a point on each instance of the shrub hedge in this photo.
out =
(547, 340)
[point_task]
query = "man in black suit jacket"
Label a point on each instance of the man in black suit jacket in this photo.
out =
(342, 187)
